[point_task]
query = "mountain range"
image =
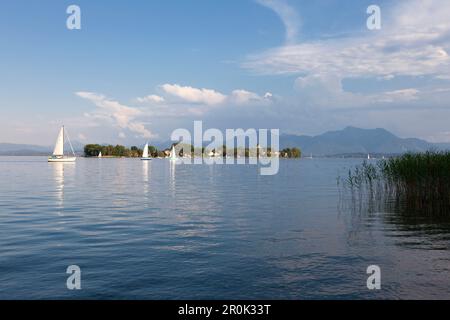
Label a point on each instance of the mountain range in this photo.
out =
(13, 149)
(353, 140)
(350, 140)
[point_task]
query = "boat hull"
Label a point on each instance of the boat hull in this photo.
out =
(146, 159)
(67, 159)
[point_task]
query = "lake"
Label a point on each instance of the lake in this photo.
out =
(156, 230)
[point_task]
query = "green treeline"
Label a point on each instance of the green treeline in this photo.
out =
(183, 149)
(93, 150)
(291, 153)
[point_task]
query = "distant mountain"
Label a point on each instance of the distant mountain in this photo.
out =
(442, 146)
(11, 149)
(356, 140)
(350, 140)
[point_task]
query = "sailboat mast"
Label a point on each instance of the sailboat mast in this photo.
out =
(63, 133)
(58, 152)
(70, 143)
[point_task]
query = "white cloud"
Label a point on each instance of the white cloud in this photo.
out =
(210, 97)
(327, 91)
(153, 98)
(243, 97)
(203, 96)
(268, 95)
(351, 58)
(122, 116)
(176, 102)
(288, 16)
(400, 95)
(413, 41)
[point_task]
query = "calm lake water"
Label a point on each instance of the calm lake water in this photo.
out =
(154, 230)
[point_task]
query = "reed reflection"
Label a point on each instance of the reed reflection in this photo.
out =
(411, 193)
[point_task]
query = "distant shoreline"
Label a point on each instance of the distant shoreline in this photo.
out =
(339, 156)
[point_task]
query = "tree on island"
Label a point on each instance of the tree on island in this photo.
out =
(93, 150)
(291, 153)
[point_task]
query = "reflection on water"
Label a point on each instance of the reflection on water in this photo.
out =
(145, 165)
(172, 173)
(431, 231)
(145, 176)
(59, 170)
(120, 178)
(158, 230)
(422, 239)
(397, 211)
(58, 174)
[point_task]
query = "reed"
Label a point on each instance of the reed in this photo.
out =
(414, 183)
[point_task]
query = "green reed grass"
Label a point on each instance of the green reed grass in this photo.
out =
(419, 183)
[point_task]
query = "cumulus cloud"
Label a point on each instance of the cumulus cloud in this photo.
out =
(211, 97)
(152, 98)
(194, 95)
(243, 97)
(122, 116)
(327, 91)
(414, 42)
(175, 102)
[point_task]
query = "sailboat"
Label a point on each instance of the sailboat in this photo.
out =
(99, 154)
(145, 153)
(368, 156)
(173, 154)
(58, 152)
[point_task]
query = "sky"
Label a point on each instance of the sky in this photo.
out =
(137, 70)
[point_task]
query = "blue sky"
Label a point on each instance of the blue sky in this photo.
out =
(139, 69)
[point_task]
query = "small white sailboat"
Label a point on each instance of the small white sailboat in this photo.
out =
(145, 156)
(99, 154)
(58, 152)
(368, 156)
(173, 154)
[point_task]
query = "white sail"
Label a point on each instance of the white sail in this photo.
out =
(100, 154)
(145, 153)
(58, 152)
(59, 146)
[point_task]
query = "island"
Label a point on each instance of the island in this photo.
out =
(185, 150)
